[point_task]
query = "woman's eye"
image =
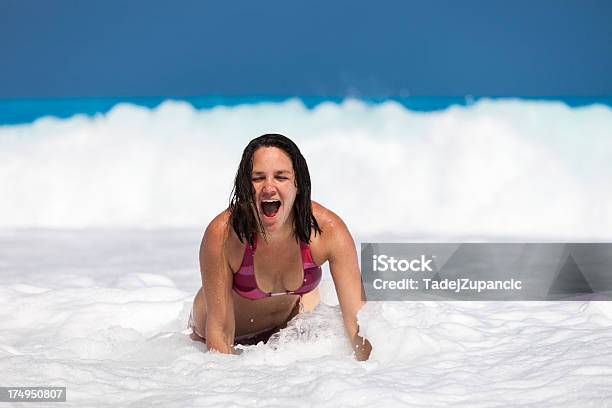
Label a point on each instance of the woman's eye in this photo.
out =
(276, 177)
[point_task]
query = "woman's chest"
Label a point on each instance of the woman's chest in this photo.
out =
(278, 270)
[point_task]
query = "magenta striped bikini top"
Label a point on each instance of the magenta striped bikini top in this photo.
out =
(246, 286)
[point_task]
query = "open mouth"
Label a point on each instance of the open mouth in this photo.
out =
(270, 207)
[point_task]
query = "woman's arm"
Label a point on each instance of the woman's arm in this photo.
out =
(344, 269)
(217, 285)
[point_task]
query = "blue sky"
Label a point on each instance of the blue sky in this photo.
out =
(330, 48)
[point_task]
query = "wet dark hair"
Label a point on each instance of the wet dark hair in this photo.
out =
(244, 216)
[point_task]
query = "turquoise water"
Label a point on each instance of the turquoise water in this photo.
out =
(16, 111)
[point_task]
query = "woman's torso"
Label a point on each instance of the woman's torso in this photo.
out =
(278, 267)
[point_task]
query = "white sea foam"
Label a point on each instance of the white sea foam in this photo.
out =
(121, 339)
(498, 167)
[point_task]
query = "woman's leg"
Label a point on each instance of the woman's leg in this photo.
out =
(197, 321)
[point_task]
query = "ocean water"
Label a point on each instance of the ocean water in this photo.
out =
(17, 111)
(102, 211)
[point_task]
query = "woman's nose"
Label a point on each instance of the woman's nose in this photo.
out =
(268, 185)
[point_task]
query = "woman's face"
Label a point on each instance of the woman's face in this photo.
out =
(273, 179)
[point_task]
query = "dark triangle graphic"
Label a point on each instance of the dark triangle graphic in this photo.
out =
(470, 260)
(570, 280)
(436, 277)
(443, 253)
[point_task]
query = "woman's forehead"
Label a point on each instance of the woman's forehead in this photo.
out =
(271, 158)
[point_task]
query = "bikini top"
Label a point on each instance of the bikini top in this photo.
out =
(245, 283)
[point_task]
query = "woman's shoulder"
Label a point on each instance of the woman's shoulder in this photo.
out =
(220, 237)
(219, 226)
(220, 231)
(334, 233)
(326, 218)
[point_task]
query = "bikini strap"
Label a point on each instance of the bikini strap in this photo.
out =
(306, 255)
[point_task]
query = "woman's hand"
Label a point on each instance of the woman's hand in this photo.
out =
(361, 347)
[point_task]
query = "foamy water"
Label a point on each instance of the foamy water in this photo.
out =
(108, 322)
(95, 294)
(498, 167)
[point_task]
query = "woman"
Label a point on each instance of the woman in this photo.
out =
(260, 259)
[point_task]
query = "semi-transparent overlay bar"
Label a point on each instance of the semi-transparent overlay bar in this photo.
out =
(487, 271)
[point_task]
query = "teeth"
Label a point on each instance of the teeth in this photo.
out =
(269, 201)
